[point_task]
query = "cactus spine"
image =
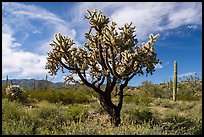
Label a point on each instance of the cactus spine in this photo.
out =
(175, 81)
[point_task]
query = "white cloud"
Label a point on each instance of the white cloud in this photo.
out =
(186, 74)
(148, 17)
(158, 66)
(22, 11)
(19, 18)
(158, 17)
(15, 60)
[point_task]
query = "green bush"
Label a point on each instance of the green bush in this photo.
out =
(187, 95)
(132, 99)
(172, 122)
(48, 119)
(15, 121)
(3, 91)
(77, 113)
(23, 125)
(64, 97)
(139, 116)
(10, 110)
(98, 108)
(163, 102)
(141, 98)
(81, 97)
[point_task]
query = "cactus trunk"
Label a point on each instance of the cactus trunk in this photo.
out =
(34, 85)
(46, 82)
(175, 81)
(6, 80)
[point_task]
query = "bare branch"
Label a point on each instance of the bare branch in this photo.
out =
(87, 83)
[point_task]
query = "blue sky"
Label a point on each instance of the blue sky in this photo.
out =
(29, 27)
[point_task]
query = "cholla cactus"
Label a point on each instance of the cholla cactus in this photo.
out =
(109, 55)
(13, 92)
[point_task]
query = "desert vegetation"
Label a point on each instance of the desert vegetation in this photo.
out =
(148, 109)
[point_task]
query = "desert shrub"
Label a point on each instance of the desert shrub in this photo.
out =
(163, 102)
(166, 93)
(195, 114)
(10, 109)
(85, 128)
(139, 99)
(77, 113)
(190, 89)
(188, 95)
(51, 115)
(3, 91)
(65, 97)
(156, 92)
(60, 96)
(49, 119)
(97, 108)
(81, 97)
(172, 122)
(15, 121)
(139, 116)
(131, 99)
(185, 106)
(23, 125)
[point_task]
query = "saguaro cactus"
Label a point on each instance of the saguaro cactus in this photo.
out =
(7, 80)
(46, 82)
(175, 81)
(34, 84)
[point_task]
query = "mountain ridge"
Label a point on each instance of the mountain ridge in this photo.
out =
(29, 83)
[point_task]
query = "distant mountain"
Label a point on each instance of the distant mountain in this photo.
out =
(29, 83)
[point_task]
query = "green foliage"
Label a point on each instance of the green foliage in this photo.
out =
(14, 121)
(9, 109)
(139, 99)
(65, 97)
(74, 119)
(155, 91)
(77, 113)
(22, 126)
(173, 122)
(139, 116)
(142, 114)
(186, 91)
(131, 98)
(187, 94)
(3, 91)
(49, 119)
(163, 102)
(190, 89)
(97, 108)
